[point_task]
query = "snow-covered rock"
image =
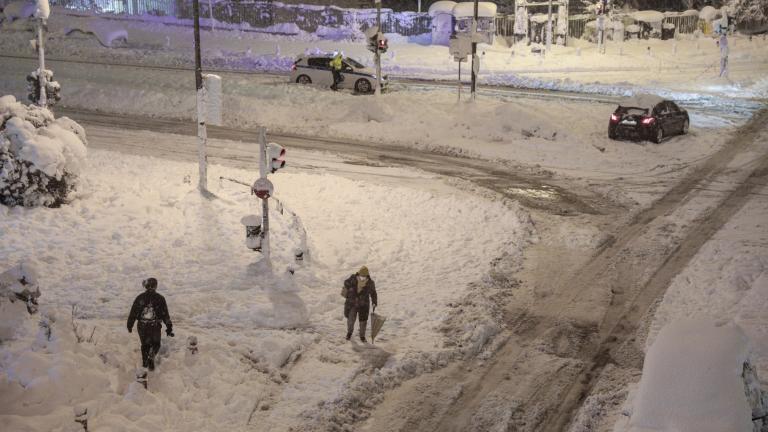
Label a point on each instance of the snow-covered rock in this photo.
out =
(40, 157)
(694, 380)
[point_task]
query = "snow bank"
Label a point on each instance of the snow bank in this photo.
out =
(19, 9)
(692, 380)
(40, 158)
(107, 33)
(647, 101)
(649, 16)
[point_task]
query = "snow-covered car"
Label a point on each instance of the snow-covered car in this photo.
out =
(316, 70)
(647, 117)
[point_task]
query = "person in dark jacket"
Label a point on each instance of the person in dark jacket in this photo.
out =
(149, 309)
(359, 290)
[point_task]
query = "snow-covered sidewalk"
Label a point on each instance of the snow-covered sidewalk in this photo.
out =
(271, 344)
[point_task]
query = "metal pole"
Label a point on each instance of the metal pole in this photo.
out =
(43, 101)
(264, 202)
(210, 10)
(474, 50)
(419, 8)
(378, 54)
(549, 27)
(459, 81)
(202, 134)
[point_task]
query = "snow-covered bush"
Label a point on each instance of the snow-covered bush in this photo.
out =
(748, 10)
(40, 157)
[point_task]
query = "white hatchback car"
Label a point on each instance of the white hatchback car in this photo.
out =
(316, 70)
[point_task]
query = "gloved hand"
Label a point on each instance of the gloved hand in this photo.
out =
(169, 332)
(130, 329)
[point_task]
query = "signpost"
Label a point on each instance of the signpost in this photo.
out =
(460, 47)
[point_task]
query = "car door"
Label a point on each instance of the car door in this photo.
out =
(678, 115)
(662, 116)
(349, 78)
(320, 70)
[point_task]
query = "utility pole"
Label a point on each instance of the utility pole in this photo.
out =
(41, 78)
(474, 50)
(549, 27)
(202, 134)
(264, 160)
(378, 54)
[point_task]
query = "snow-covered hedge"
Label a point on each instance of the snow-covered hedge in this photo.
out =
(40, 157)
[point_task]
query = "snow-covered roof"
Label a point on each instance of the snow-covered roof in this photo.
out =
(441, 7)
(467, 9)
(708, 13)
(642, 101)
(648, 16)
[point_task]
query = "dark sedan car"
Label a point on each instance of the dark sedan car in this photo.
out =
(647, 117)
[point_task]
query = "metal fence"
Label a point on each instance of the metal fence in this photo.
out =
(683, 24)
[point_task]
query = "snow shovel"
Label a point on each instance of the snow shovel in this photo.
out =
(377, 321)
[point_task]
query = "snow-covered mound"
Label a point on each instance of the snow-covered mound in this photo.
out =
(40, 157)
(696, 378)
(19, 291)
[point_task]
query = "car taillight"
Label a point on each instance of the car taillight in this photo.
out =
(648, 120)
(293, 67)
(614, 118)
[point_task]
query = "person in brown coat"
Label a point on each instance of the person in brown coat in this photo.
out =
(359, 291)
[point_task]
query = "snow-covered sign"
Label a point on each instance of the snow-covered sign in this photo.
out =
(695, 379)
(467, 9)
(263, 188)
(460, 48)
(43, 9)
(441, 7)
(213, 98)
(648, 16)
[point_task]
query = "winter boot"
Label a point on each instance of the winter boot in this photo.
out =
(362, 338)
(349, 335)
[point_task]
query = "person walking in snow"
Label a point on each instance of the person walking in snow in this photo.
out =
(149, 309)
(336, 64)
(359, 291)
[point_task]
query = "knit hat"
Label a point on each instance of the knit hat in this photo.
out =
(363, 271)
(150, 284)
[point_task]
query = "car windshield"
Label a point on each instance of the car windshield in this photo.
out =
(353, 63)
(633, 110)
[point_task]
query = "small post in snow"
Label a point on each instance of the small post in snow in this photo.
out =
(210, 12)
(202, 133)
(42, 13)
(378, 53)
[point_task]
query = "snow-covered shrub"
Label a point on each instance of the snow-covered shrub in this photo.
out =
(749, 10)
(40, 157)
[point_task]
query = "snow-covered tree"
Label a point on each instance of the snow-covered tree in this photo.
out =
(40, 157)
(748, 10)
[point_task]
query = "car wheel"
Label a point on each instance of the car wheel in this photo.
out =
(303, 79)
(659, 135)
(686, 125)
(363, 86)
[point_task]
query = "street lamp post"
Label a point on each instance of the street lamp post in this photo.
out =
(202, 134)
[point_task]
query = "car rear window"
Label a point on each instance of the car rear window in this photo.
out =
(632, 110)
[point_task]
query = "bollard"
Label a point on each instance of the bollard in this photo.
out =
(192, 345)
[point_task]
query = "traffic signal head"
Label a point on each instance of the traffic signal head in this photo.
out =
(276, 156)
